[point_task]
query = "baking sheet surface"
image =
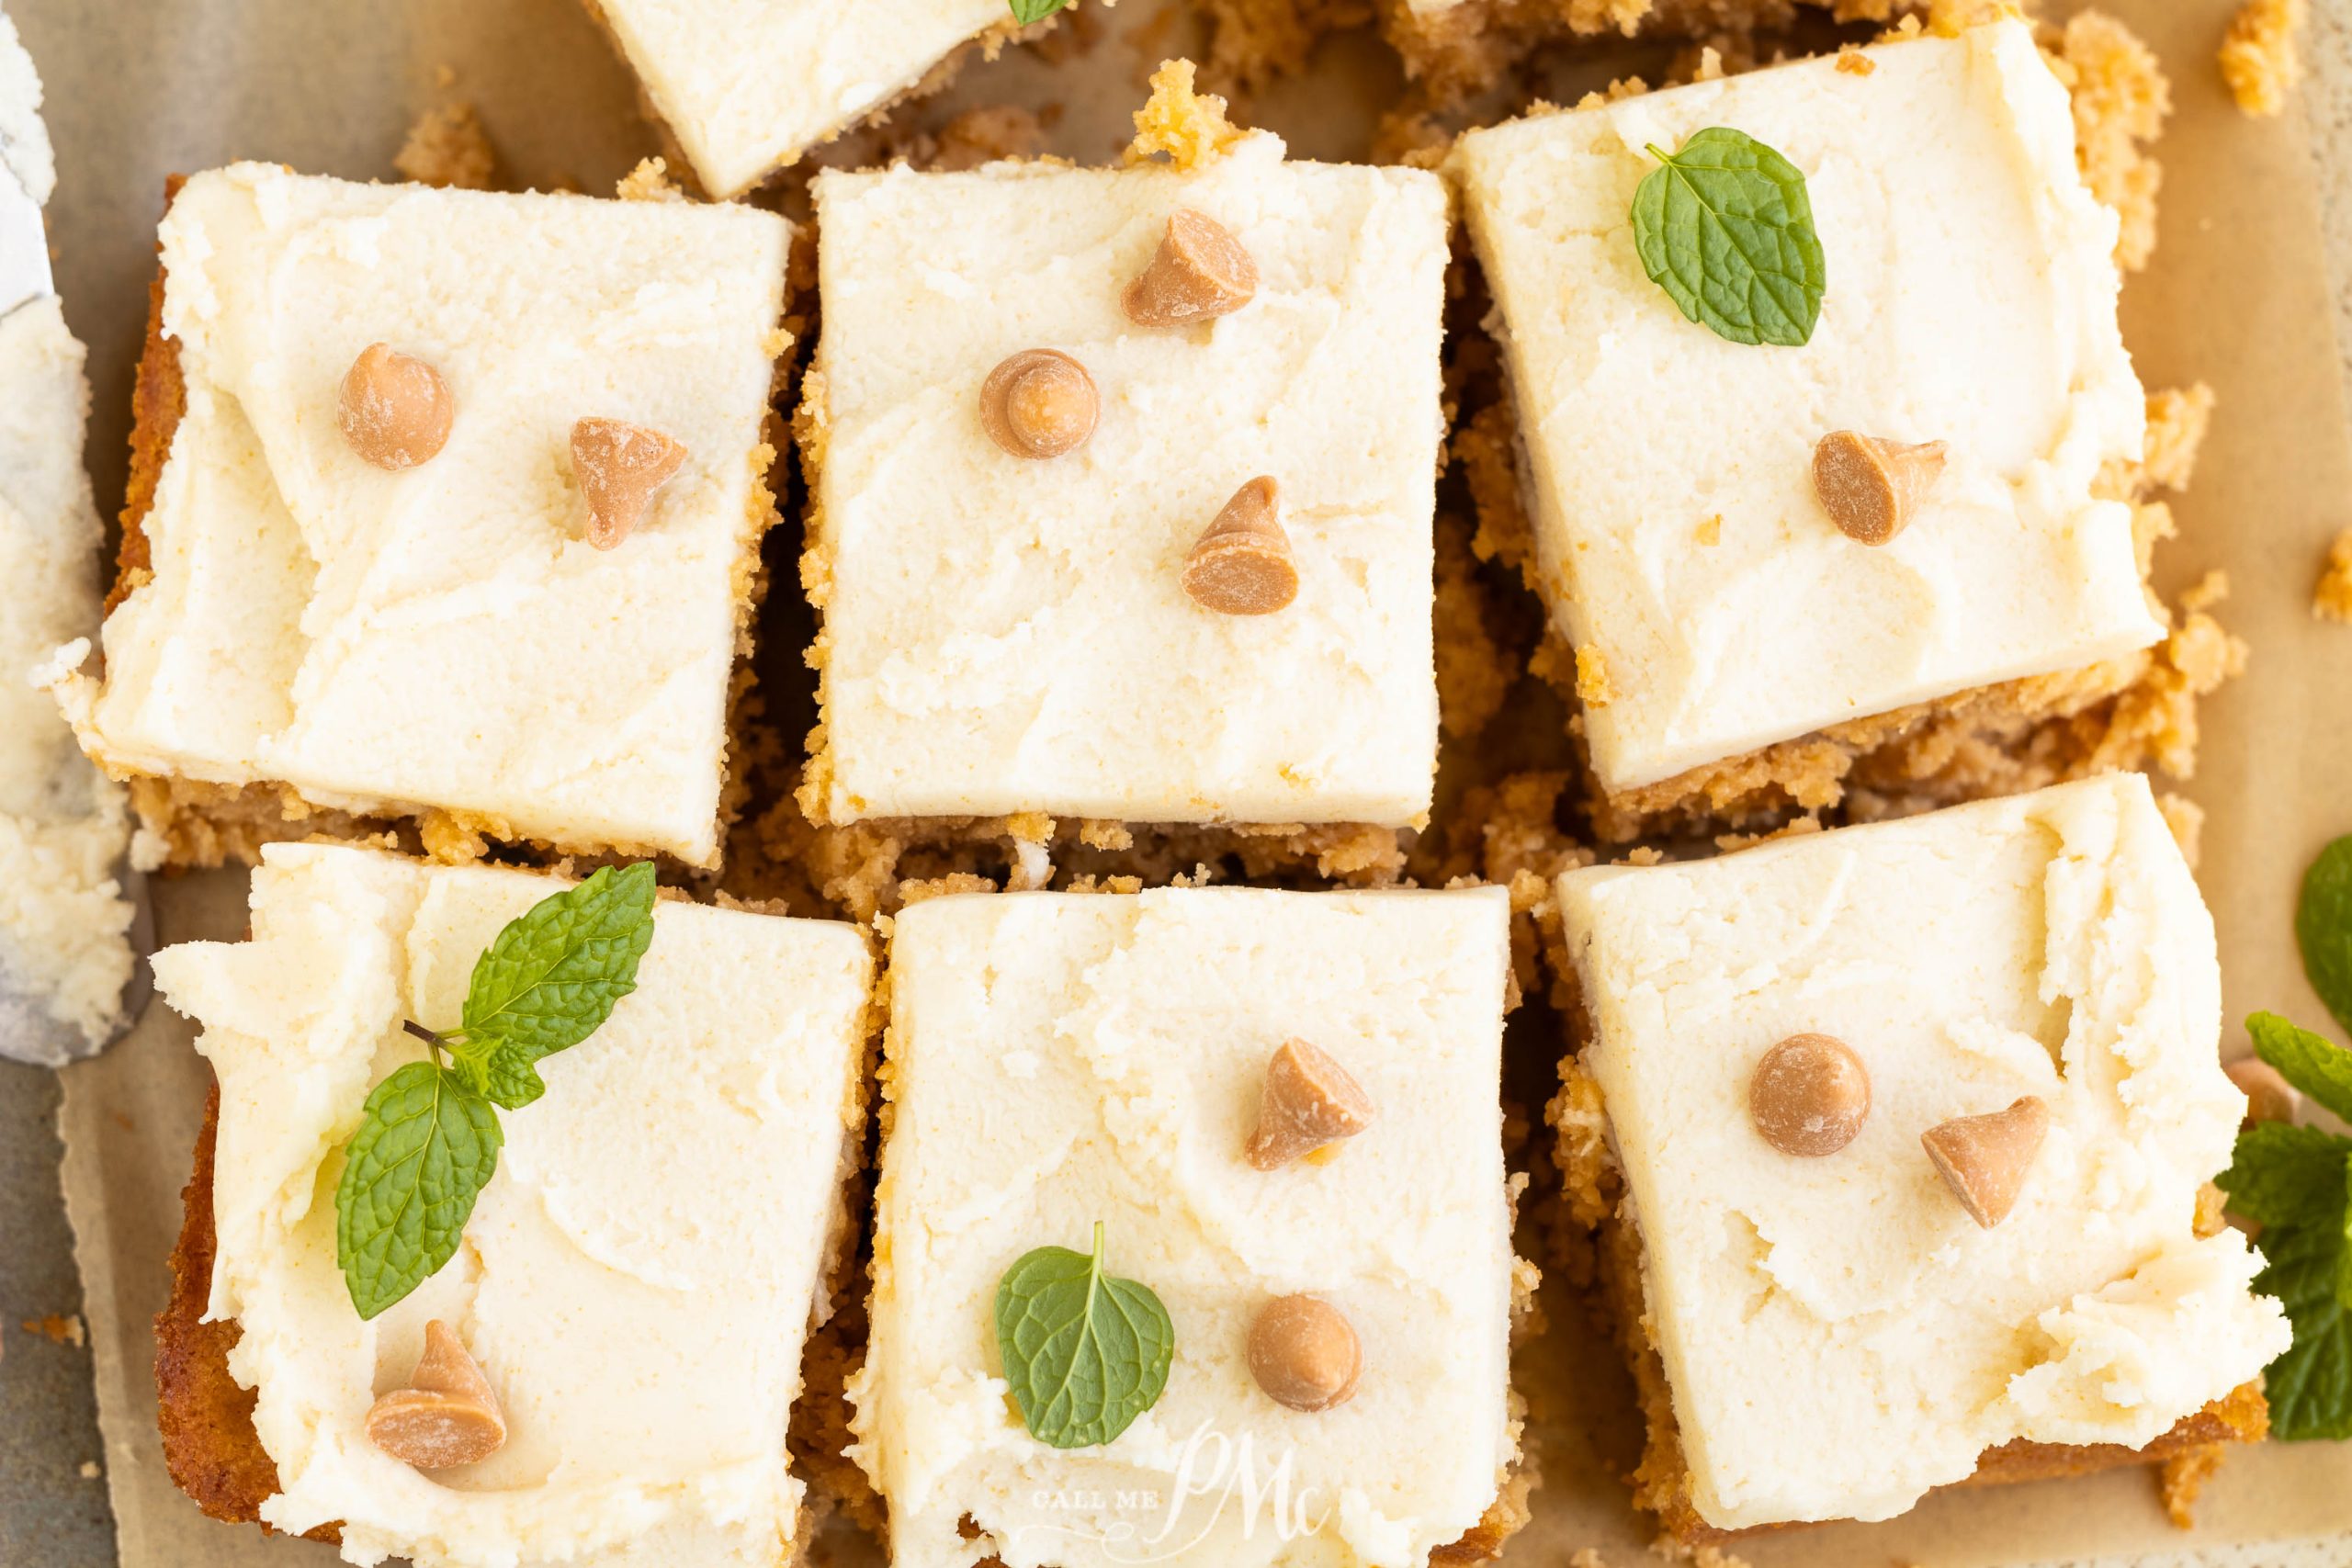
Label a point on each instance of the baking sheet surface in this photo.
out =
(2238, 297)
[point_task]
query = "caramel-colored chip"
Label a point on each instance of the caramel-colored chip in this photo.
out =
(448, 1416)
(1039, 404)
(1309, 1100)
(1305, 1353)
(1870, 488)
(1983, 1159)
(1810, 1095)
(396, 411)
(2268, 1096)
(620, 466)
(1200, 272)
(1242, 565)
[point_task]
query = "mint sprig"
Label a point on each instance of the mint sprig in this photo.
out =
(2324, 929)
(1028, 11)
(1084, 1352)
(428, 1136)
(426, 1148)
(2296, 1183)
(1724, 225)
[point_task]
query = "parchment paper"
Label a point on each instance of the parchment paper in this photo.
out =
(2238, 297)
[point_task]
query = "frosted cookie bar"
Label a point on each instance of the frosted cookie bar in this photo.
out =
(1722, 619)
(745, 87)
(64, 833)
(1908, 1129)
(1273, 1117)
(444, 504)
(629, 1294)
(1123, 484)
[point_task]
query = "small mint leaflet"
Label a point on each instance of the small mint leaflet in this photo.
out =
(1084, 1353)
(2306, 1267)
(426, 1146)
(1028, 11)
(2312, 1063)
(550, 979)
(2323, 930)
(1724, 225)
(2285, 1175)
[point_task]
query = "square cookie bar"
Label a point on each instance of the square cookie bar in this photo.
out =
(1166, 1065)
(634, 1281)
(745, 87)
(1247, 344)
(1720, 618)
(1913, 1126)
(443, 503)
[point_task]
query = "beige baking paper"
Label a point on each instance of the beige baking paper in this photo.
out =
(2238, 297)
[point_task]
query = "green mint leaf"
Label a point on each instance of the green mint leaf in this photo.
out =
(1028, 11)
(2309, 1269)
(2312, 1063)
(426, 1147)
(2324, 930)
(1725, 226)
(551, 978)
(2282, 1175)
(1085, 1353)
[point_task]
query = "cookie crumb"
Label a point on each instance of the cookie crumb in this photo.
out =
(2182, 1477)
(1593, 685)
(2332, 600)
(650, 181)
(1854, 62)
(57, 1329)
(2177, 418)
(447, 147)
(1710, 532)
(1190, 127)
(2259, 57)
(2206, 591)
(2121, 100)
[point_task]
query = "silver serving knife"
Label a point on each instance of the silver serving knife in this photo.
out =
(28, 1032)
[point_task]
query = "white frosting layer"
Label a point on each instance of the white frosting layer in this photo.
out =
(1840, 1335)
(635, 1280)
(63, 920)
(446, 636)
(1004, 634)
(1059, 1059)
(1970, 300)
(747, 86)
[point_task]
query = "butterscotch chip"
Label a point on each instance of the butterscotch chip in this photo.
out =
(1200, 272)
(1870, 487)
(448, 1416)
(1810, 1095)
(1310, 1100)
(1039, 404)
(1242, 565)
(2268, 1096)
(1983, 1159)
(396, 411)
(620, 466)
(1305, 1353)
